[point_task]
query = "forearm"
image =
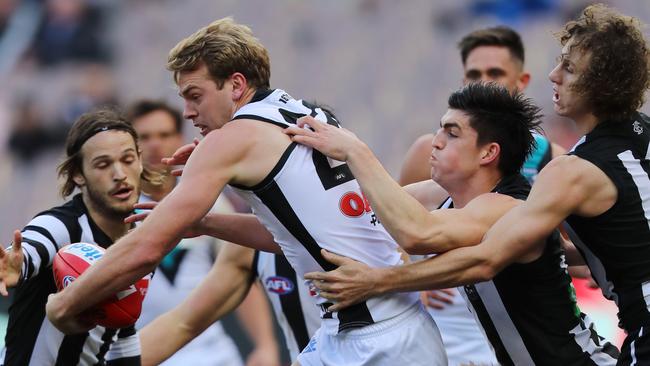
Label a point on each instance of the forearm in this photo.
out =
(255, 315)
(242, 229)
(161, 338)
(402, 215)
(454, 268)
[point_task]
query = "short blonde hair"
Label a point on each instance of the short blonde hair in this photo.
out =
(225, 47)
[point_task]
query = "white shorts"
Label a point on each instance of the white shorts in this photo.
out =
(410, 338)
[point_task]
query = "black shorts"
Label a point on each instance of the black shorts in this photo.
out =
(636, 348)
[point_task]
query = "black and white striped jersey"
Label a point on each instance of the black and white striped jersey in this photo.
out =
(529, 312)
(309, 202)
(290, 298)
(616, 244)
(31, 339)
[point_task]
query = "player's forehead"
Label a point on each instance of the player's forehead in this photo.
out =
(486, 57)
(111, 143)
(159, 121)
(198, 78)
(455, 118)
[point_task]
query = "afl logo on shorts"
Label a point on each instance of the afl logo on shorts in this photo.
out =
(67, 280)
(279, 285)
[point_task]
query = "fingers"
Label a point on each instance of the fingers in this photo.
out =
(311, 122)
(339, 260)
(3, 289)
(146, 205)
(319, 276)
(177, 172)
(196, 141)
(18, 240)
(136, 218)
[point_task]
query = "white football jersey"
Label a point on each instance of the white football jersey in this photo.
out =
(309, 202)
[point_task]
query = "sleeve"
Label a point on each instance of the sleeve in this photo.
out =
(125, 351)
(43, 236)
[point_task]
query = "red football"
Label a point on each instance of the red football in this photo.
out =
(120, 310)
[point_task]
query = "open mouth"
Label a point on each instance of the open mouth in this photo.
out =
(122, 193)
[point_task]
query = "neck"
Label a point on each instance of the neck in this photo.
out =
(586, 123)
(465, 191)
(158, 191)
(246, 98)
(111, 225)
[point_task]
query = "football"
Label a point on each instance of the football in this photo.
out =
(118, 311)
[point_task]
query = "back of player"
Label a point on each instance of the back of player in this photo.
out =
(310, 203)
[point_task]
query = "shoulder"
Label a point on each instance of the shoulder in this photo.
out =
(416, 167)
(429, 193)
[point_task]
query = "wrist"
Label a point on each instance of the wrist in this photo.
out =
(382, 281)
(358, 153)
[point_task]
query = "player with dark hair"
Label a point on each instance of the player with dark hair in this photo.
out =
(524, 302)
(490, 55)
(103, 162)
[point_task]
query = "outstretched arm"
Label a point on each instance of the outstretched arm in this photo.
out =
(221, 291)
(416, 229)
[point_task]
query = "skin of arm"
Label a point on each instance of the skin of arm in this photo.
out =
(243, 229)
(567, 185)
(207, 303)
(255, 316)
(216, 161)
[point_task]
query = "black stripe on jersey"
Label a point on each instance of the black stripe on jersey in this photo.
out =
(258, 118)
(276, 169)
(329, 176)
(126, 332)
(70, 350)
(261, 95)
(488, 326)
(107, 339)
(256, 260)
(290, 303)
(43, 232)
(42, 252)
(127, 361)
(351, 317)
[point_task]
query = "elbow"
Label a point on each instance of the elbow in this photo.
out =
(419, 242)
(486, 268)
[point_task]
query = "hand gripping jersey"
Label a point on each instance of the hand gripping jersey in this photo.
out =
(290, 298)
(616, 244)
(309, 202)
(528, 310)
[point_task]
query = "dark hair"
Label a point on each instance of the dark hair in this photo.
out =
(88, 125)
(495, 36)
(502, 117)
(616, 77)
(145, 106)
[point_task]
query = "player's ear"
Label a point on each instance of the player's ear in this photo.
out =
(79, 179)
(239, 85)
(490, 152)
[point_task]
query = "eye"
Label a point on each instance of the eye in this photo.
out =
(451, 134)
(567, 66)
(101, 165)
(129, 159)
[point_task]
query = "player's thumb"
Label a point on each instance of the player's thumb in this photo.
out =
(333, 258)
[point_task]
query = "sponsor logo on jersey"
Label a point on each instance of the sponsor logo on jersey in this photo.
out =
(67, 280)
(89, 253)
(353, 204)
(279, 285)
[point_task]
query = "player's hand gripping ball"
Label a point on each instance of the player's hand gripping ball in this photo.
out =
(118, 311)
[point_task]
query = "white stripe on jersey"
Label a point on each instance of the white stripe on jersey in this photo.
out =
(640, 178)
(54, 226)
(86, 232)
(47, 345)
(583, 336)
(49, 246)
(503, 324)
(31, 255)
